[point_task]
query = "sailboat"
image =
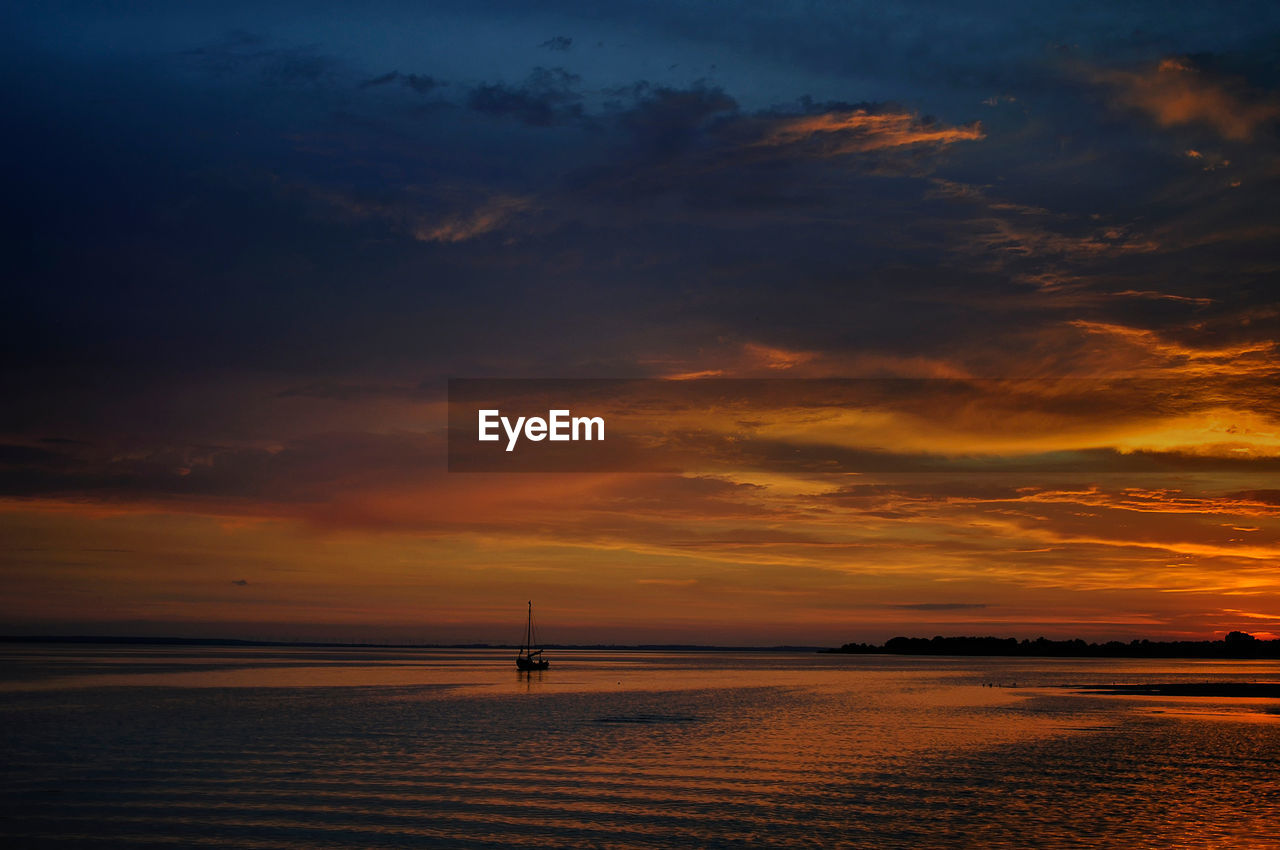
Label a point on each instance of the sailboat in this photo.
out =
(530, 658)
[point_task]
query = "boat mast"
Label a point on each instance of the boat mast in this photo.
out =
(528, 630)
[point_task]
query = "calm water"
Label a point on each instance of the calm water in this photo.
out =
(124, 747)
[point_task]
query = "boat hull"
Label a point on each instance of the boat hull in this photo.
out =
(530, 664)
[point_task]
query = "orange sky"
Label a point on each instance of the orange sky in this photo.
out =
(250, 262)
(361, 534)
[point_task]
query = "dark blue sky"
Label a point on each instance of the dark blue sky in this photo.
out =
(459, 188)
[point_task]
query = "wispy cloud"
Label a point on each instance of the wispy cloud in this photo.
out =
(845, 132)
(487, 218)
(1252, 357)
(1175, 93)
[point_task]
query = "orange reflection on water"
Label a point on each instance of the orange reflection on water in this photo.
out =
(309, 747)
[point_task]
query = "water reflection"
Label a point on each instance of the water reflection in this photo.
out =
(303, 748)
(529, 677)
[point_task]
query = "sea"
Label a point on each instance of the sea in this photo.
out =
(269, 747)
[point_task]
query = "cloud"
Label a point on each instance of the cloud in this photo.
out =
(489, 217)
(1261, 497)
(700, 145)
(1028, 240)
(472, 215)
(666, 121)
(758, 359)
(956, 190)
(1228, 360)
(1163, 296)
(420, 83)
(1167, 500)
(299, 472)
(548, 97)
(241, 52)
(1058, 254)
(1207, 161)
(941, 606)
(727, 228)
(558, 42)
(347, 391)
(1174, 93)
(12, 454)
(841, 132)
(773, 358)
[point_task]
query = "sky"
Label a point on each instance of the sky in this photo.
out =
(248, 246)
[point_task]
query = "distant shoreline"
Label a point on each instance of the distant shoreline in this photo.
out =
(1237, 645)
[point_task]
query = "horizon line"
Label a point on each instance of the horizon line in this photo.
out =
(856, 647)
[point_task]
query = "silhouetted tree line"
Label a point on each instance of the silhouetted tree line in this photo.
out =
(1234, 645)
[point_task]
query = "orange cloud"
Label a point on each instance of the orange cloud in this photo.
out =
(351, 528)
(1157, 501)
(957, 191)
(859, 131)
(1255, 357)
(1162, 296)
(1174, 93)
(1021, 240)
(754, 359)
(694, 375)
(486, 218)
(772, 358)
(483, 218)
(723, 551)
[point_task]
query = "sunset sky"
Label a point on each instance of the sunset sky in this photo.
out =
(248, 247)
